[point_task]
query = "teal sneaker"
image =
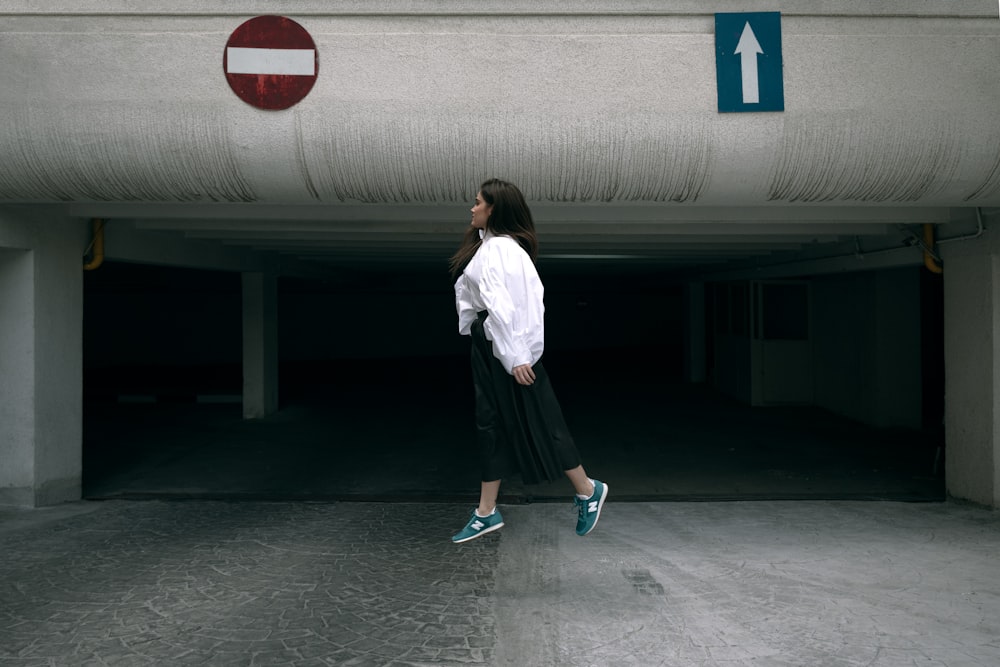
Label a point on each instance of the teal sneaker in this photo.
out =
(590, 509)
(478, 526)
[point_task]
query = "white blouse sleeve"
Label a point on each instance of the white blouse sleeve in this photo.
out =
(507, 324)
(464, 305)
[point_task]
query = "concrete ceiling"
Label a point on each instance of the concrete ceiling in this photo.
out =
(678, 240)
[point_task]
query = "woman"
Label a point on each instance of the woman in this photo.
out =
(520, 425)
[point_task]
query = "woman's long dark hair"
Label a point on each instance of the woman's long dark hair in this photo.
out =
(510, 217)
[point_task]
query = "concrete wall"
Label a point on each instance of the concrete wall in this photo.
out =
(40, 356)
(866, 346)
(972, 367)
(112, 100)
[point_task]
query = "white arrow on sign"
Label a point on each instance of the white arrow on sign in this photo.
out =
(748, 48)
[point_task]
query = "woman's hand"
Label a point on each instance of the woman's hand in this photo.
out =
(523, 374)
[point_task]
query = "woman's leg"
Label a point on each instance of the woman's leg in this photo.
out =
(493, 452)
(488, 497)
(578, 476)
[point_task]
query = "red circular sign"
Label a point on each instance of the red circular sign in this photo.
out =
(271, 62)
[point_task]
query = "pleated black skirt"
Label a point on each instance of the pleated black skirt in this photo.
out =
(519, 428)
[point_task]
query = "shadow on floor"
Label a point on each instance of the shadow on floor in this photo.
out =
(403, 430)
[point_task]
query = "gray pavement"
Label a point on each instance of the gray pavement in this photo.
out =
(767, 583)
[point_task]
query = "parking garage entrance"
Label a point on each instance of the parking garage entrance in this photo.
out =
(376, 402)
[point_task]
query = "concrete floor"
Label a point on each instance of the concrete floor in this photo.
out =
(720, 584)
(320, 536)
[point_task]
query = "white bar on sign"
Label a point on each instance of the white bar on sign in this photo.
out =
(240, 60)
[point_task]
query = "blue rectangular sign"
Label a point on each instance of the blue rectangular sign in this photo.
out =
(748, 61)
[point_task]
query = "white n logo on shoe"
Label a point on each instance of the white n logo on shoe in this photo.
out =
(592, 507)
(477, 525)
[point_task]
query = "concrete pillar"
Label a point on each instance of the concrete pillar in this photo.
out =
(41, 357)
(972, 368)
(260, 344)
(694, 332)
(17, 419)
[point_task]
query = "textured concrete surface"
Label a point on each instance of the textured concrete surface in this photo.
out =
(777, 584)
(578, 91)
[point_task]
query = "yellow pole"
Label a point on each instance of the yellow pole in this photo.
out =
(929, 260)
(97, 245)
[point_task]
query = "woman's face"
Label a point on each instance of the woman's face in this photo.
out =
(480, 212)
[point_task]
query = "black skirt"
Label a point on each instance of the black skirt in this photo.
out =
(520, 428)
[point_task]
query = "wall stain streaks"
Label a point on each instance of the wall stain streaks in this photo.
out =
(385, 158)
(129, 156)
(863, 160)
(300, 159)
(990, 186)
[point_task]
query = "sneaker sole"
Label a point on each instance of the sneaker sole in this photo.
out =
(600, 506)
(482, 532)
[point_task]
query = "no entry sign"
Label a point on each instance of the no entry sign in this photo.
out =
(271, 62)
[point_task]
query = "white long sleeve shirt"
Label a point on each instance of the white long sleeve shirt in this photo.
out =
(502, 280)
